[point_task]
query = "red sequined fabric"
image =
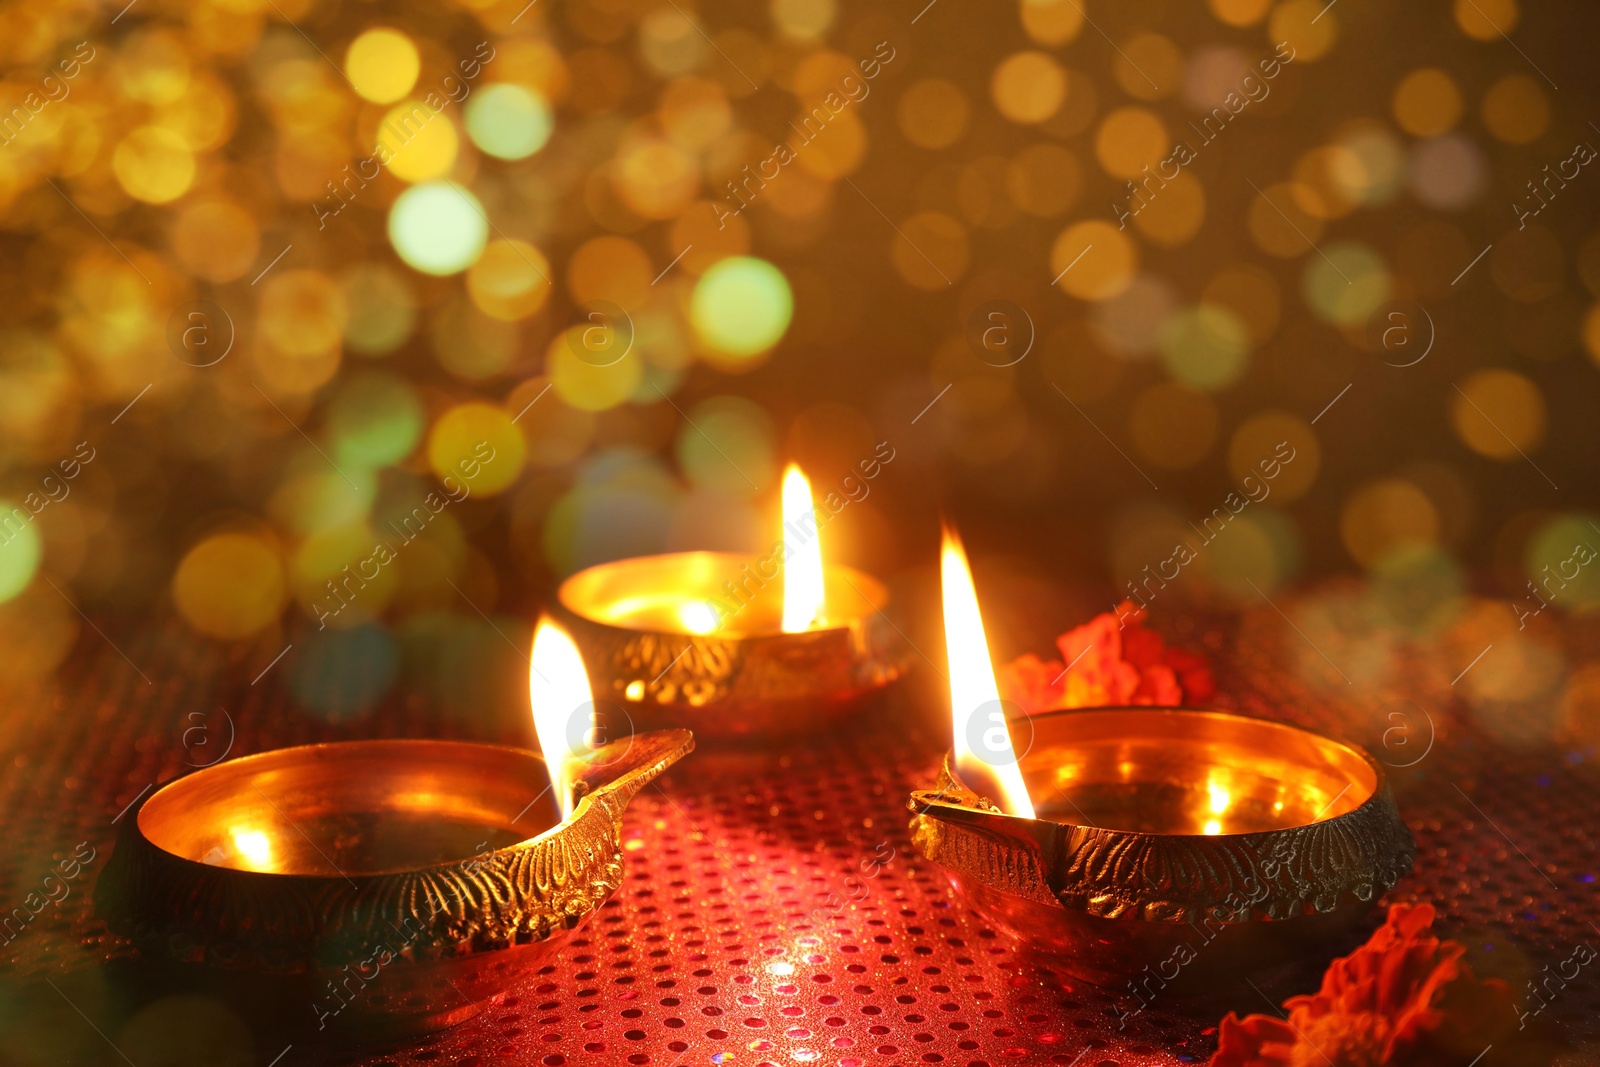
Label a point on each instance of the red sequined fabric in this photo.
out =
(773, 912)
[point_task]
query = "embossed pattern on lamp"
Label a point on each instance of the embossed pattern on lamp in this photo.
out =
(1126, 839)
(736, 647)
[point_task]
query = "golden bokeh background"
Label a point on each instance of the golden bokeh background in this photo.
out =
(279, 273)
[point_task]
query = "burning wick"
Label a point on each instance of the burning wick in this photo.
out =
(975, 707)
(802, 575)
(558, 690)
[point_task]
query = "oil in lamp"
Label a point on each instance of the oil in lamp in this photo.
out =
(384, 888)
(738, 647)
(1164, 848)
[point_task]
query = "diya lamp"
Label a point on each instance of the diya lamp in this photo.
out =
(387, 887)
(737, 647)
(1158, 848)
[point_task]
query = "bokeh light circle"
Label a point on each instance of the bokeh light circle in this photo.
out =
(375, 419)
(1384, 515)
(477, 446)
(1130, 139)
(1427, 102)
(382, 64)
(1308, 27)
(1278, 452)
(382, 311)
(19, 549)
(1562, 560)
(727, 443)
(511, 280)
(1447, 173)
(1205, 346)
(1486, 20)
(1028, 87)
(1516, 110)
(438, 227)
(1346, 283)
(1498, 414)
(154, 164)
(1239, 12)
(415, 144)
(932, 113)
(591, 380)
(508, 121)
(742, 306)
(1093, 260)
(230, 585)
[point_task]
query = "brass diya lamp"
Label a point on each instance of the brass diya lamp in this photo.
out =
(1158, 848)
(734, 646)
(383, 888)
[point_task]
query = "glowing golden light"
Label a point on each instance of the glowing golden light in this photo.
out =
(697, 617)
(558, 686)
(973, 690)
(802, 575)
(1220, 799)
(254, 846)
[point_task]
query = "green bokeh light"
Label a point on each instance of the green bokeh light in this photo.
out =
(741, 306)
(1346, 284)
(733, 442)
(19, 549)
(508, 121)
(375, 420)
(1419, 589)
(313, 498)
(1555, 563)
(1260, 546)
(438, 227)
(382, 311)
(1205, 346)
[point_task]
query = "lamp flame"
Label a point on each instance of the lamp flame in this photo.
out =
(558, 689)
(974, 693)
(802, 574)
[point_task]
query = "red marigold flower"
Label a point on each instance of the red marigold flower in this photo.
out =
(1109, 661)
(1031, 683)
(1404, 999)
